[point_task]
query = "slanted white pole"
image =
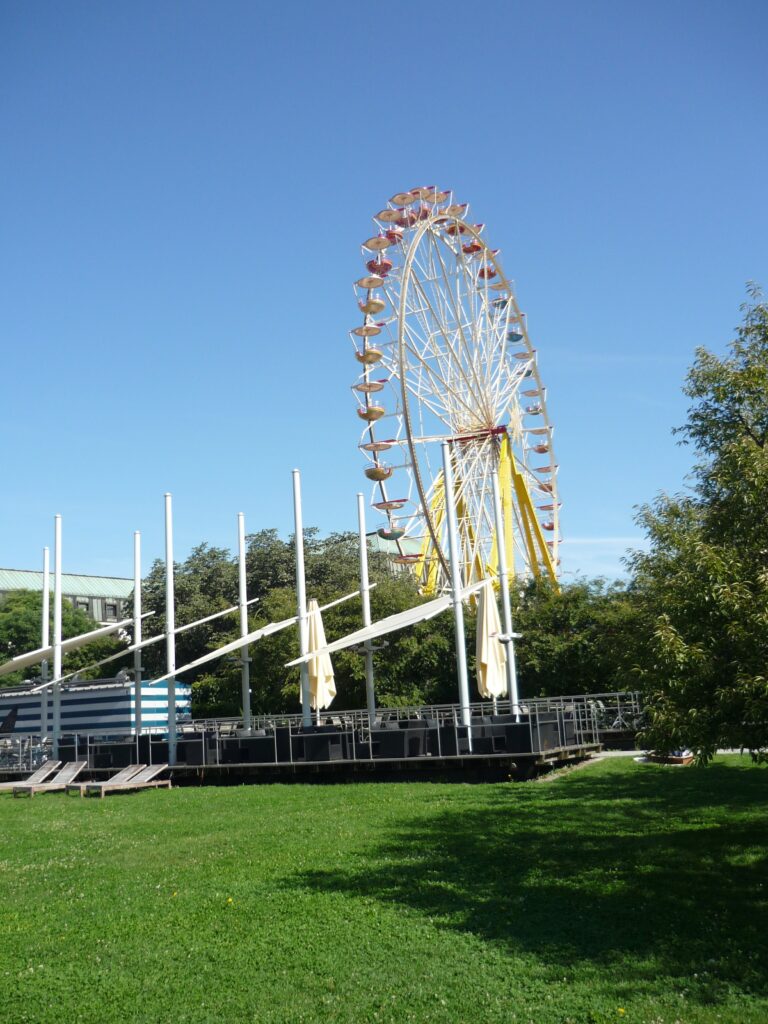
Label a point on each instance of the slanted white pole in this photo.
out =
(501, 548)
(170, 630)
(301, 597)
(45, 639)
(137, 631)
(244, 656)
(365, 597)
(56, 634)
(456, 583)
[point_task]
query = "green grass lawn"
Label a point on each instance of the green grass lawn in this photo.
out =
(617, 892)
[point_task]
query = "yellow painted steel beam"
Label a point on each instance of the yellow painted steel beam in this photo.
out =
(429, 563)
(505, 482)
(533, 531)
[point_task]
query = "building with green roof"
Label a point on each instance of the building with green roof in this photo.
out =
(101, 597)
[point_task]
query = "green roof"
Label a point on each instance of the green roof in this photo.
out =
(72, 584)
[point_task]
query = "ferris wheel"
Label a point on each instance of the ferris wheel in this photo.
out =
(444, 355)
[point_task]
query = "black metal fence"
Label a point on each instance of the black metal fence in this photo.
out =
(544, 726)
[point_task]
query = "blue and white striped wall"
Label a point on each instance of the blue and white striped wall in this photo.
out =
(99, 708)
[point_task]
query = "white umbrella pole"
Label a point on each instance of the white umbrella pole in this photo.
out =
(506, 610)
(365, 596)
(56, 634)
(301, 596)
(456, 583)
(137, 631)
(245, 661)
(45, 638)
(170, 630)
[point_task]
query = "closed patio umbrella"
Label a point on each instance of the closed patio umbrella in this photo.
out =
(491, 656)
(322, 688)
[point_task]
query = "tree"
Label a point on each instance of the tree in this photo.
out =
(704, 581)
(20, 617)
(578, 638)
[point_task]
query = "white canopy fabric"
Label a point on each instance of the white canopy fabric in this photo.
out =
(391, 624)
(491, 657)
(142, 645)
(243, 641)
(322, 687)
(46, 653)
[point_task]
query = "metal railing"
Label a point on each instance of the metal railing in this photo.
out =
(540, 725)
(551, 723)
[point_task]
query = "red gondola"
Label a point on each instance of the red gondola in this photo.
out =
(380, 266)
(390, 505)
(377, 446)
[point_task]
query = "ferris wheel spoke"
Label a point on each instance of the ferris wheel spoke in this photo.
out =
(454, 302)
(437, 386)
(456, 360)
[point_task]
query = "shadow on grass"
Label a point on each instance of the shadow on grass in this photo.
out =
(659, 874)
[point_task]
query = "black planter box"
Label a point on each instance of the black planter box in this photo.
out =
(546, 736)
(389, 743)
(190, 752)
(453, 740)
(323, 746)
(229, 751)
(517, 738)
(258, 749)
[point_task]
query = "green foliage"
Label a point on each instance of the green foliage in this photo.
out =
(704, 580)
(20, 620)
(627, 887)
(580, 638)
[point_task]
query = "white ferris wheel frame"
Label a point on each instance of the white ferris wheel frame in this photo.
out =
(455, 385)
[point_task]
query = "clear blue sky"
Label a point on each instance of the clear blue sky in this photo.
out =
(184, 187)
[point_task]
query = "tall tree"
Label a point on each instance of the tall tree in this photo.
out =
(705, 578)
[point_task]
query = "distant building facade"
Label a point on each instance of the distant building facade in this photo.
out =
(104, 598)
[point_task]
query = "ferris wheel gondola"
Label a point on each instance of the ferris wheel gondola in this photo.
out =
(448, 357)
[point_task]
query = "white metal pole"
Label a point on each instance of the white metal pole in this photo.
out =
(365, 596)
(501, 548)
(56, 634)
(244, 655)
(45, 639)
(456, 583)
(137, 632)
(301, 597)
(170, 630)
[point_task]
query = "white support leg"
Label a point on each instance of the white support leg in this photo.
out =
(170, 629)
(244, 655)
(301, 597)
(365, 596)
(45, 639)
(56, 635)
(501, 548)
(456, 583)
(137, 632)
